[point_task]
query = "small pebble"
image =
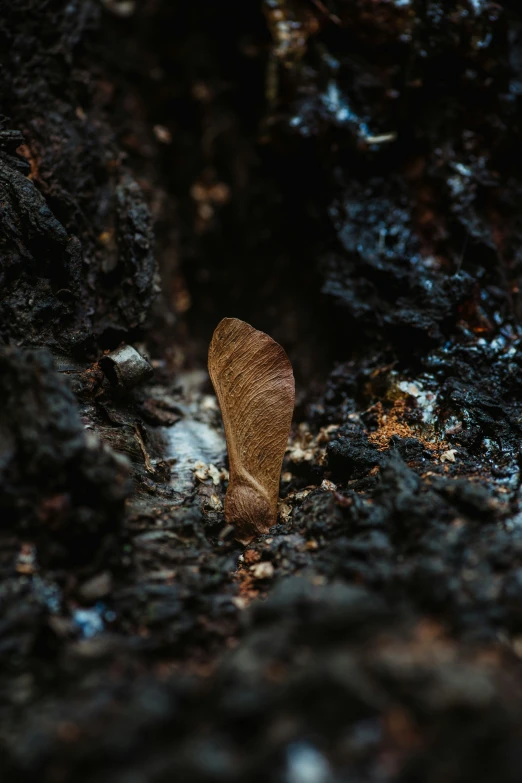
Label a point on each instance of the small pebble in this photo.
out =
(263, 570)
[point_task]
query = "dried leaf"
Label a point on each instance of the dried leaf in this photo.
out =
(255, 387)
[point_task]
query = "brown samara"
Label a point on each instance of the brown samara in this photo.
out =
(255, 387)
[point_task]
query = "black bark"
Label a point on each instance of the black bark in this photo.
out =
(345, 176)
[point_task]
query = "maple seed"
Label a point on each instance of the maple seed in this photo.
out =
(254, 384)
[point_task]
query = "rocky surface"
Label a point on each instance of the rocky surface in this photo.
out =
(345, 176)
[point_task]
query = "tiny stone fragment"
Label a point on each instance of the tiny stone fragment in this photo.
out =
(203, 472)
(125, 367)
(263, 570)
(448, 456)
(328, 486)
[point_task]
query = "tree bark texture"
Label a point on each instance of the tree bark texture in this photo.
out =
(346, 176)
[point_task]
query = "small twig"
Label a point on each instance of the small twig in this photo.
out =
(321, 6)
(148, 464)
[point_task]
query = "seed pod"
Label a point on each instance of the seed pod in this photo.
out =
(254, 384)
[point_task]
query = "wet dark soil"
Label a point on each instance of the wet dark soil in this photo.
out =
(346, 176)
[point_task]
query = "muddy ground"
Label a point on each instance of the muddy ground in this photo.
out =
(345, 175)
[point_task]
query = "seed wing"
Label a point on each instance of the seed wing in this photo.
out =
(254, 383)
